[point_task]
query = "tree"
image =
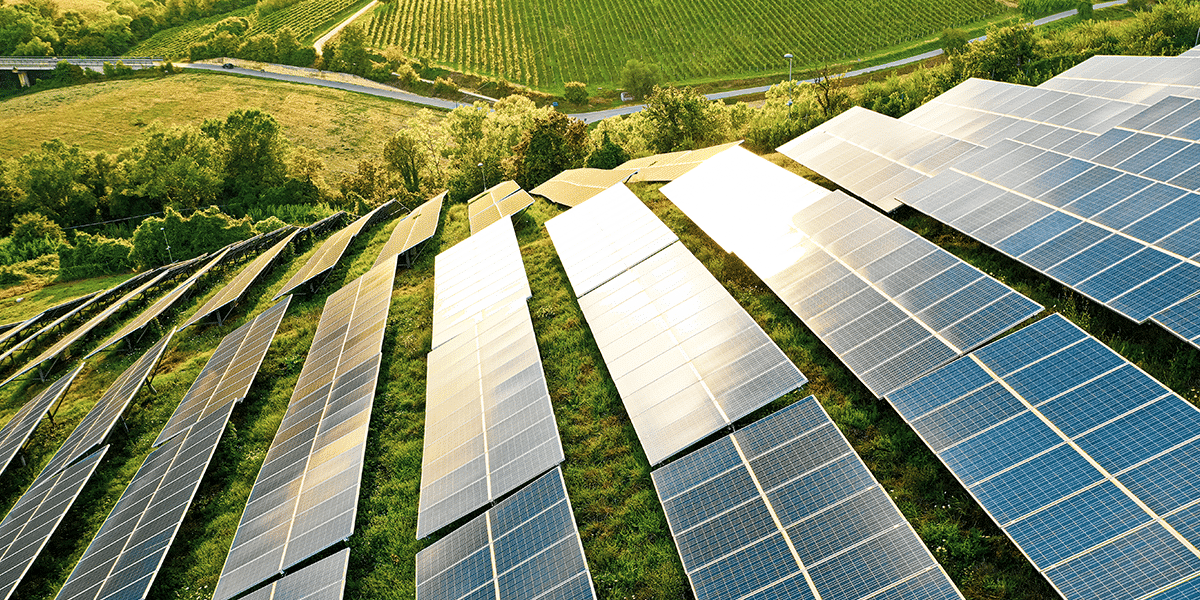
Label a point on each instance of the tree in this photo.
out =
(179, 167)
(554, 143)
(370, 182)
(576, 92)
(639, 78)
(261, 48)
(254, 152)
(349, 52)
(954, 41)
(34, 47)
(34, 227)
(1085, 10)
(56, 181)
(404, 156)
(1002, 55)
(608, 154)
(831, 97)
(290, 51)
(681, 119)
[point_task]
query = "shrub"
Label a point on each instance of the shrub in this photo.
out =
(639, 78)
(576, 92)
(204, 231)
(94, 255)
(268, 225)
(444, 87)
(30, 228)
(1085, 10)
(954, 41)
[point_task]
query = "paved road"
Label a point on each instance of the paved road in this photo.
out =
(350, 87)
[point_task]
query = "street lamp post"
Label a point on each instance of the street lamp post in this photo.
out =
(789, 57)
(482, 179)
(164, 232)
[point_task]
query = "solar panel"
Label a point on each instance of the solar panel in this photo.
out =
(161, 305)
(1086, 462)
(18, 429)
(667, 167)
(527, 546)
(495, 203)
(28, 526)
(875, 157)
(332, 250)
(573, 186)
(305, 497)
(489, 425)
(417, 227)
(98, 423)
(480, 272)
(233, 291)
(890, 304)
(605, 236)
(1138, 79)
(786, 509)
(126, 554)
(322, 580)
(13, 331)
(228, 374)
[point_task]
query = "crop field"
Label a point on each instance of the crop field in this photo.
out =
(309, 19)
(544, 43)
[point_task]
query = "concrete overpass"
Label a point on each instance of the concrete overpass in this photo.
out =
(22, 65)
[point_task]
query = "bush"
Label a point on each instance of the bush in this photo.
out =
(444, 87)
(954, 41)
(204, 231)
(1085, 10)
(31, 228)
(639, 78)
(268, 225)
(92, 256)
(407, 74)
(1038, 8)
(42, 267)
(576, 92)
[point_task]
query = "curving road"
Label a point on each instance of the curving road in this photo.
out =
(350, 87)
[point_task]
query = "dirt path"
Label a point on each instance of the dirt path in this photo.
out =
(319, 45)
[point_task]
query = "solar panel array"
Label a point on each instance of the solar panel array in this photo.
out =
(667, 167)
(28, 526)
(786, 509)
(20, 427)
(1140, 79)
(602, 239)
(100, 420)
(322, 580)
(480, 272)
(573, 186)
(14, 330)
(417, 227)
(306, 495)
(489, 424)
(890, 304)
(233, 291)
(331, 251)
(163, 304)
(227, 375)
(527, 546)
(1085, 461)
(873, 156)
(495, 203)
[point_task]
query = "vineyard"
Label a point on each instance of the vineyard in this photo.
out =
(309, 19)
(544, 43)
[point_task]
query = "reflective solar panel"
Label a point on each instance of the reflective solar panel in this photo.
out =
(126, 554)
(890, 304)
(331, 251)
(482, 271)
(227, 375)
(306, 494)
(495, 203)
(162, 304)
(36, 515)
(605, 236)
(13, 331)
(1079, 456)
(233, 291)
(786, 509)
(669, 166)
(323, 580)
(489, 425)
(1138, 79)
(527, 546)
(18, 429)
(100, 420)
(573, 186)
(873, 156)
(418, 226)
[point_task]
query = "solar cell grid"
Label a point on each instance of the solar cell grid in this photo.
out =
(234, 290)
(482, 271)
(1065, 476)
(332, 249)
(672, 165)
(573, 186)
(13, 331)
(495, 203)
(417, 227)
(20, 427)
(323, 580)
(1137, 79)
(527, 546)
(786, 506)
(36, 515)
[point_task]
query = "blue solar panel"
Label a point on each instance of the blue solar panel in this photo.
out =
(1163, 291)
(1102, 399)
(999, 448)
(1183, 319)
(1131, 272)
(1098, 514)
(967, 416)
(1093, 260)
(1145, 432)
(1167, 482)
(1036, 341)
(1185, 591)
(1151, 557)
(1036, 234)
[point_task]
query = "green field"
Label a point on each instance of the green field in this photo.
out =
(309, 19)
(544, 43)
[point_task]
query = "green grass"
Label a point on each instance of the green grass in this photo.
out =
(625, 537)
(544, 43)
(36, 299)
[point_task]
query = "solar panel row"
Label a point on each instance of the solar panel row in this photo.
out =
(495, 203)
(323, 580)
(890, 304)
(232, 292)
(417, 227)
(786, 509)
(305, 497)
(1084, 460)
(478, 273)
(573, 186)
(1139, 79)
(100, 420)
(14, 331)
(332, 250)
(28, 526)
(669, 166)
(20, 427)
(527, 546)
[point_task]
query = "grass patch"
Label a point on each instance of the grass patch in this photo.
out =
(37, 298)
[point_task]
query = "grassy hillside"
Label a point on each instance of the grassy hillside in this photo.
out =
(624, 531)
(342, 127)
(543, 43)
